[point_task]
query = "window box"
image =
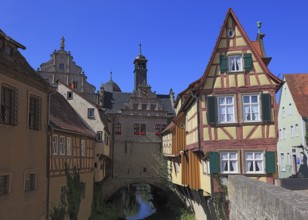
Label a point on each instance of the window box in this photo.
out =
(142, 133)
(157, 133)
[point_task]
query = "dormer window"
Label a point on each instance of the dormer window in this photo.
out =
(69, 95)
(91, 113)
(8, 50)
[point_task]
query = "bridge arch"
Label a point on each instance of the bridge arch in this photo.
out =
(112, 185)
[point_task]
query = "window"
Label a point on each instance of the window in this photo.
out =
(235, 63)
(30, 179)
(228, 162)
(91, 113)
(4, 184)
(282, 163)
(254, 162)
(62, 145)
(54, 145)
(69, 146)
(75, 84)
(177, 167)
(284, 133)
(106, 139)
(83, 148)
(292, 131)
(251, 108)
(142, 129)
(8, 50)
(69, 95)
(34, 112)
(288, 159)
(61, 66)
(204, 167)
(290, 109)
(157, 129)
(139, 129)
(8, 104)
(296, 130)
(226, 109)
(99, 136)
(283, 112)
(280, 134)
(118, 128)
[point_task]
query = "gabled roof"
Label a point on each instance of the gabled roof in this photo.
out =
(64, 117)
(298, 86)
(17, 67)
(253, 46)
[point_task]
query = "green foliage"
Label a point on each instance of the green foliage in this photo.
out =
(57, 212)
(220, 198)
(74, 192)
(185, 215)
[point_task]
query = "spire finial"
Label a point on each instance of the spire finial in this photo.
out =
(111, 75)
(62, 43)
(140, 47)
(259, 24)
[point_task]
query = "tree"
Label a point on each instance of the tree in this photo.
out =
(74, 191)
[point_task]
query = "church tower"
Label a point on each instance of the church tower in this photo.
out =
(140, 69)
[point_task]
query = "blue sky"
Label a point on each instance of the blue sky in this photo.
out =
(178, 36)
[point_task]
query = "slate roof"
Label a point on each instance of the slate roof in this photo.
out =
(17, 67)
(114, 102)
(298, 85)
(63, 116)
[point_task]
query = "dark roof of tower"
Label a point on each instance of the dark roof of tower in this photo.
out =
(111, 86)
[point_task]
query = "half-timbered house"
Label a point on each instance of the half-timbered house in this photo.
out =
(71, 144)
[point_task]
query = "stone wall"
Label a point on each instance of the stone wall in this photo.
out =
(253, 199)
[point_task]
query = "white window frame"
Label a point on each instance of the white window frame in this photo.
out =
(62, 145)
(205, 167)
(254, 160)
(284, 133)
(55, 145)
(292, 131)
(235, 58)
(290, 109)
(83, 148)
(296, 130)
(224, 106)
(282, 164)
(69, 146)
(280, 134)
(250, 104)
(229, 160)
(177, 167)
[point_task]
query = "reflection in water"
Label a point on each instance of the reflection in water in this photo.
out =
(135, 202)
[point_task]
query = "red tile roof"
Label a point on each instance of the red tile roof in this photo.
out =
(64, 117)
(298, 85)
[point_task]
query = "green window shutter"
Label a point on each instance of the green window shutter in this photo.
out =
(214, 162)
(270, 162)
(223, 63)
(247, 62)
(266, 107)
(211, 110)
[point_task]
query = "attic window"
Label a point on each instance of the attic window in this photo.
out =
(69, 95)
(231, 33)
(91, 113)
(8, 50)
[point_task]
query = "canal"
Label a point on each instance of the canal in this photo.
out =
(143, 201)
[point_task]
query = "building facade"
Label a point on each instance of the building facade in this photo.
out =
(71, 144)
(137, 120)
(230, 118)
(23, 136)
(292, 126)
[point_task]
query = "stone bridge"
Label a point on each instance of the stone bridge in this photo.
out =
(112, 185)
(252, 199)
